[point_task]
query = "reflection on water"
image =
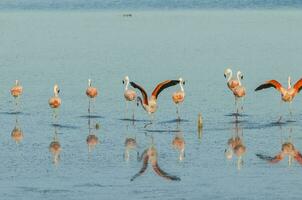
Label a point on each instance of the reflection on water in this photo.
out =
(199, 126)
(236, 146)
(150, 155)
(17, 133)
(130, 144)
(178, 143)
(92, 139)
(287, 150)
(55, 148)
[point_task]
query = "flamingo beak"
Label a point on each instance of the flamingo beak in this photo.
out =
(242, 77)
(123, 82)
(224, 75)
(184, 82)
(58, 91)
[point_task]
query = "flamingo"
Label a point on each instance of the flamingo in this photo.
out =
(179, 96)
(231, 82)
(235, 85)
(16, 91)
(55, 101)
(287, 149)
(150, 105)
(150, 155)
(91, 93)
(130, 95)
(287, 95)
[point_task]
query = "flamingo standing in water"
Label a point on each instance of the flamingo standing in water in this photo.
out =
(16, 91)
(130, 95)
(235, 86)
(150, 105)
(91, 93)
(231, 82)
(150, 155)
(55, 101)
(179, 96)
(287, 95)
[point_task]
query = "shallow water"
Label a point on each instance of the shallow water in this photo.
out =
(42, 48)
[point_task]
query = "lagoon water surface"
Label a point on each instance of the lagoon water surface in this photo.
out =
(41, 48)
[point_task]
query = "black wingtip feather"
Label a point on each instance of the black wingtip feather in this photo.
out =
(264, 157)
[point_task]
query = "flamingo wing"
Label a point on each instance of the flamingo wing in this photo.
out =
(163, 174)
(268, 84)
(298, 157)
(270, 159)
(144, 93)
(298, 85)
(163, 85)
(143, 169)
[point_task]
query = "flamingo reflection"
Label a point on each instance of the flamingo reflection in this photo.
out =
(130, 144)
(17, 133)
(150, 155)
(92, 139)
(55, 148)
(178, 143)
(287, 150)
(236, 146)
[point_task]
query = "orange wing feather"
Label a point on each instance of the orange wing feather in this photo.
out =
(144, 93)
(298, 85)
(163, 174)
(143, 169)
(163, 85)
(268, 84)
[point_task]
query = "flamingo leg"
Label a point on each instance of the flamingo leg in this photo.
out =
(133, 109)
(290, 110)
(280, 118)
(89, 106)
(151, 121)
(290, 160)
(177, 112)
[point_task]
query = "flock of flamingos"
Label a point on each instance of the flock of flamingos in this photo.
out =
(149, 104)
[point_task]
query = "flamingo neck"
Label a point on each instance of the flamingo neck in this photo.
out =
(182, 154)
(89, 82)
(181, 87)
(127, 85)
(238, 78)
(230, 75)
(55, 91)
(17, 83)
(289, 83)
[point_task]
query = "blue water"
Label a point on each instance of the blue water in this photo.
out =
(41, 48)
(149, 4)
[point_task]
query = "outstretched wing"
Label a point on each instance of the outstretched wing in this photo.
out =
(143, 169)
(268, 84)
(270, 159)
(298, 158)
(298, 85)
(144, 93)
(163, 85)
(163, 174)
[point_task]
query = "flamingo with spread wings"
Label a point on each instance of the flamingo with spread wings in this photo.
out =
(150, 105)
(287, 95)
